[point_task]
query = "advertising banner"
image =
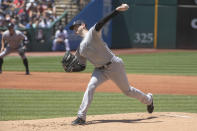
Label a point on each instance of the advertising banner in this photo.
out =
(187, 28)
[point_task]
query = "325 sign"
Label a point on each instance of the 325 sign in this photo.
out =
(143, 38)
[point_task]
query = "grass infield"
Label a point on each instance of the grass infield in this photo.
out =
(172, 63)
(28, 104)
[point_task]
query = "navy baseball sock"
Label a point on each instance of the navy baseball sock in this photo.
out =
(25, 62)
(1, 63)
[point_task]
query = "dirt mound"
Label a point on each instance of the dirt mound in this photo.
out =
(126, 122)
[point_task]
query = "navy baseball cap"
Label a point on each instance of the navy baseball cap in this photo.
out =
(77, 22)
(10, 26)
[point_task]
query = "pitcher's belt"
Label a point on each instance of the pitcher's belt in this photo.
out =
(104, 66)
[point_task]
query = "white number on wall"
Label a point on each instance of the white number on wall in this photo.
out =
(143, 38)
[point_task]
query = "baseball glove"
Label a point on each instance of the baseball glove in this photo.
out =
(69, 62)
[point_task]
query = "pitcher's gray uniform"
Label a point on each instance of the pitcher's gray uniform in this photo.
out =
(107, 66)
(14, 43)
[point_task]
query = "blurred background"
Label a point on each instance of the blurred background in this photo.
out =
(160, 24)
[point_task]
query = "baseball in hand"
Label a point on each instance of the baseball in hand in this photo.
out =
(126, 6)
(122, 7)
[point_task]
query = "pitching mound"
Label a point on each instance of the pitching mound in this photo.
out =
(117, 122)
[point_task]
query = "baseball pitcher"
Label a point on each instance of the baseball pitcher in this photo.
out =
(107, 65)
(15, 41)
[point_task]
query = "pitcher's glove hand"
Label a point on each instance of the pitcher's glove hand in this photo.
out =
(69, 61)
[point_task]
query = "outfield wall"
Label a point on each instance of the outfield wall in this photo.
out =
(140, 20)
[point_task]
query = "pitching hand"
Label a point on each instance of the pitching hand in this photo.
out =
(122, 7)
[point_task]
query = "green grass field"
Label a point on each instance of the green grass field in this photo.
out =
(173, 63)
(28, 104)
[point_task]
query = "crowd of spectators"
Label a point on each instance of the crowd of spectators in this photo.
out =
(34, 14)
(81, 3)
(27, 13)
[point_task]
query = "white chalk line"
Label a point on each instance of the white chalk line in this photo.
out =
(175, 115)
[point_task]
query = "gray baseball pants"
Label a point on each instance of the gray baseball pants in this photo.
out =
(116, 73)
(9, 50)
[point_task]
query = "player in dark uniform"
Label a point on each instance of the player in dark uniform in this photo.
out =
(14, 41)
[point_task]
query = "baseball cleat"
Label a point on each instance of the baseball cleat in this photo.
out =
(27, 73)
(150, 108)
(78, 121)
